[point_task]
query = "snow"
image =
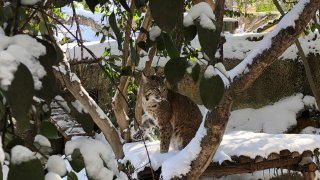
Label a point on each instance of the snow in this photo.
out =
(244, 136)
(95, 154)
(310, 130)
(42, 140)
(282, 113)
(30, 2)
(310, 102)
(154, 32)
(222, 69)
(52, 176)
(62, 103)
(20, 49)
(209, 72)
(76, 104)
(21, 154)
(233, 144)
(2, 155)
(81, 11)
(203, 12)
(7, 69)
(87, 33)
(56, 165)
(191, 65)
(286, 21)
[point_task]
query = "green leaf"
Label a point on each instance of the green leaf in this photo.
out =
(92, 4)
(77, 162)
(49, 88)
(86, 122)
(49, 130)
(14, 142)
(115, 29)
(125, 5)
(143, 45)
(140, 3)
(126, 71)
(134, 55)
(211, 91)
(26, 170)
(20, 94)
(72, 176)
(209, 40)
(189, 33)
(175, 69)
(167, 13)
(2, 106)
(170, 46)
(195, 72)
(160, 43)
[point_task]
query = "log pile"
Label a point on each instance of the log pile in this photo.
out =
(307, 163)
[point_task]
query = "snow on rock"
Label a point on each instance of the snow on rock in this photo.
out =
(282, 114)
(30, 2)
(52, 176)
(286, 21)
(20, 49)
(21, 154)
(154, 32)
(180, 164)
(95, 154)
(203, 12)
(56, 165)
(42, 140)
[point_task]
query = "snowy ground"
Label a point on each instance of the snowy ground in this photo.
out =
(242, 136)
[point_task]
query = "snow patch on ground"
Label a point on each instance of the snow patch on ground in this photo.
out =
(276, 118)
(233, 144)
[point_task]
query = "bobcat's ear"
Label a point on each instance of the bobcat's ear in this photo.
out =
(144, 78)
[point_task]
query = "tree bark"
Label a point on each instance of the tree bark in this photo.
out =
(98, 116)
(216, 121)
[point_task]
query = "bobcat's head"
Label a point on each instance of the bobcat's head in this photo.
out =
(154, 88)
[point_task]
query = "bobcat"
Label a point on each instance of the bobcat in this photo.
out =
(177, 117)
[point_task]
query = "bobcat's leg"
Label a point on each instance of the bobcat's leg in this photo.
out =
(165, 136)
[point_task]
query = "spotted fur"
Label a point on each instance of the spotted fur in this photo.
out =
(177, 117)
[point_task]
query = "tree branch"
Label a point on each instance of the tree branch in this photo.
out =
(98, 116)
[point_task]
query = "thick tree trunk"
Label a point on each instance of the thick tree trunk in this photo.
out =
(217, 120)
(103, 122)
